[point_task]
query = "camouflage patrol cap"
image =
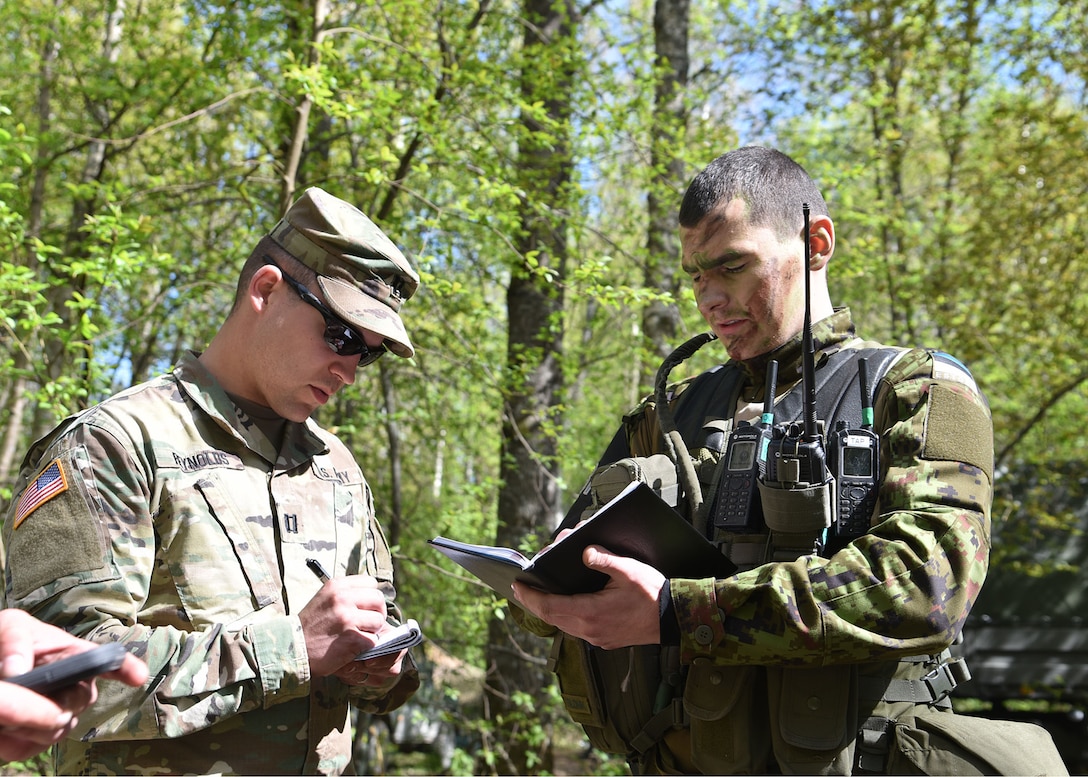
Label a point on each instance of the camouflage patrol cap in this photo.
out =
(363, 275)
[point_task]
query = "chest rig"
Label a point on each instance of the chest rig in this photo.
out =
(743, 485)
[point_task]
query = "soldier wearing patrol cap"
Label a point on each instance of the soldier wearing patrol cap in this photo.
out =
(363, 276)
(179, 517)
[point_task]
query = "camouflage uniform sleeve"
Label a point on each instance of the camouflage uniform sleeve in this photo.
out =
(903, 589)
(85, 561)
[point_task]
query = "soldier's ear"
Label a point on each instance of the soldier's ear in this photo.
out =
(262, 283)
(821, 231)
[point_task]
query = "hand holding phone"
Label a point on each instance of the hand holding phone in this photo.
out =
(49, 678)
(31, 721)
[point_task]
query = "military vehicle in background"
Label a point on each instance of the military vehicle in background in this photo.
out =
(1026, 640)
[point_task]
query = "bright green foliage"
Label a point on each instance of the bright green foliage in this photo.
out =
(142, 155)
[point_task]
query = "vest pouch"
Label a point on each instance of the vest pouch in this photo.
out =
(657, 471)
(632, 674)
(796, 510)
(726, 735)
(579, 690)
(707, 459)
(813, 718)
(947, 743)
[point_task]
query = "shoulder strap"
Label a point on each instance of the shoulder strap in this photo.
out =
(838, 396)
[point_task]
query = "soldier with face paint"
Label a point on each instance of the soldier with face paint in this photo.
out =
(804, 662)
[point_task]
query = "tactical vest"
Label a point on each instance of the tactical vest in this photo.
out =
(629, 700)
(695, 494)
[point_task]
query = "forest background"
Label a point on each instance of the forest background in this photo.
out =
(529, 156)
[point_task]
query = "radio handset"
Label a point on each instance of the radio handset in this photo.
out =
(796, 457)
(855, 465)
(737, 508)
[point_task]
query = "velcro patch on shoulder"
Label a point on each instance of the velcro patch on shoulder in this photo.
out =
(958, 428)
(58, 536)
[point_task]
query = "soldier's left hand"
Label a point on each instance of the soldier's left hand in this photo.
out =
(379, 672)
(623, 613)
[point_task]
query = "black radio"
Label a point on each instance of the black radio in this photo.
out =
(855, 465)
(737, 485)
(737, 506)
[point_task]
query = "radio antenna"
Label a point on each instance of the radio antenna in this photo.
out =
(767, 419)
(866, 397)
(808, 354)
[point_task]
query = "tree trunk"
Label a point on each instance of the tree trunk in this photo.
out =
(9, 448)
(84, 205)
(528, 502)
(661, 321)
(392, 512)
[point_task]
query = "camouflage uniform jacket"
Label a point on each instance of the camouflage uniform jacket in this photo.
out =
(182, 532)
(772, 655)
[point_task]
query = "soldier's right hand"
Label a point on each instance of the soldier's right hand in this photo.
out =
(341, 621)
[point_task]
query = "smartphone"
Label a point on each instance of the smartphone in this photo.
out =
(49, 678)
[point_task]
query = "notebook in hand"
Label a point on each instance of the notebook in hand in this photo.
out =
(636, 523)
(406, 635)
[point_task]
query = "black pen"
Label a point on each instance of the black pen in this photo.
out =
(317, 569)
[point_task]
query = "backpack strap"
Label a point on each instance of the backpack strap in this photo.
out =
(838, 396)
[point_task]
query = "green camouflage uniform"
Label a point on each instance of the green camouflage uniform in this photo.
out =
(784, 662)
(182, 532)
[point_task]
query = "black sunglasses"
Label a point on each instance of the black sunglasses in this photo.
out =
(340, 337)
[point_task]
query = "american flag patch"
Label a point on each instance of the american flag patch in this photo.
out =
(41, 489)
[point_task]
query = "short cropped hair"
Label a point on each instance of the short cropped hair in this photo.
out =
(773, 185)
(265, 248)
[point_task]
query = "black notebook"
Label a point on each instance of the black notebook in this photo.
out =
(636, 523)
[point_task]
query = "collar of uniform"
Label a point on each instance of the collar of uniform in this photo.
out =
(827, 335)
(205, 392)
